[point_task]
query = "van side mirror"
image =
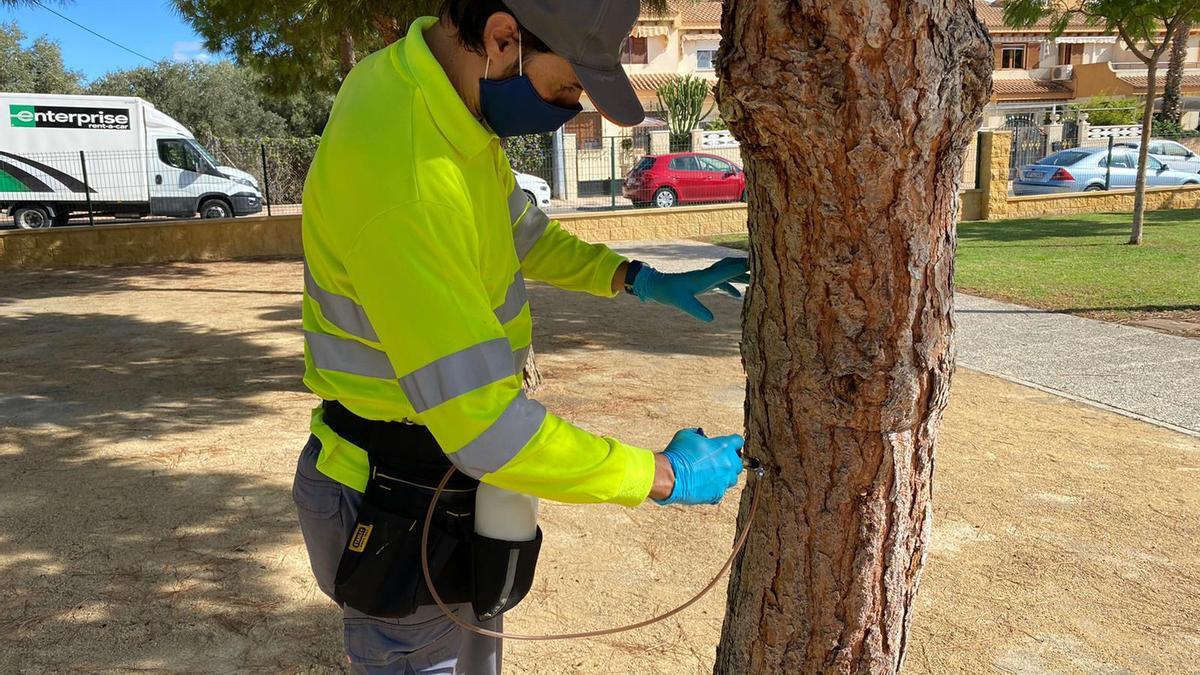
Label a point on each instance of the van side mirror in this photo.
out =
(1162, 168)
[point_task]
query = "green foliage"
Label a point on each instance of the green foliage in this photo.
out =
(209, 99)
(1111, 110)
(529, 154)
(298, 44)
(683, 99)
(1163, 128)
(217, 99)
(717, 124)
(37, 69)
(1137, 21)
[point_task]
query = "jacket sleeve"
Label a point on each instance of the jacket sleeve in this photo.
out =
(551, 254)
(416, 274)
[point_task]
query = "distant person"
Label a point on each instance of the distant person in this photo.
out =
(417, 241)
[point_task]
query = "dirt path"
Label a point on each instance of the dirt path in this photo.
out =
(150, 418)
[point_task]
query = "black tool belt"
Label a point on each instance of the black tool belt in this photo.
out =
(380, 570)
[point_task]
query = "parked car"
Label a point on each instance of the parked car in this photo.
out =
(535, 188)
(1085, 169)
(1176, 156)
(683, 177)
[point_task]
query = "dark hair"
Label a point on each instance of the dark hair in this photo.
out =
(470, 18)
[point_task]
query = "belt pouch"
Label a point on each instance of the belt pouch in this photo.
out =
(379, 573)
(501, 573)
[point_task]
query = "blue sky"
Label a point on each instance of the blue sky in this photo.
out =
(151, 27)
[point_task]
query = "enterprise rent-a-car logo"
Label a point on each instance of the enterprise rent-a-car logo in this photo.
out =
(63, 117)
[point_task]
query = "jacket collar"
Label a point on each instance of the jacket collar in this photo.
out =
(468, 135)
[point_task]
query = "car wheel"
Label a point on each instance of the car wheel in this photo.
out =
(1094, 188)
(529, 195)
(32, 217)
(664, 198)
(215, 208)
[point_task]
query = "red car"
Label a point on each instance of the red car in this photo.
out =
(682, 177)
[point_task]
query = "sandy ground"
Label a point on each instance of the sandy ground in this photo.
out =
(150, 419)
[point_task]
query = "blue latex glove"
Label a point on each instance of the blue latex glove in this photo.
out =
(680, 290)
(704, 467)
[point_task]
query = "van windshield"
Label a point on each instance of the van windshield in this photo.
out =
(205, 154)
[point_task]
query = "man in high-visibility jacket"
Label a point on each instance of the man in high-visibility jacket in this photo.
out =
(417, 244)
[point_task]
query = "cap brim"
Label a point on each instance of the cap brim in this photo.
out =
(612, 94)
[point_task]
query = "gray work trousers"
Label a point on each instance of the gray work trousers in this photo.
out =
(426, 643)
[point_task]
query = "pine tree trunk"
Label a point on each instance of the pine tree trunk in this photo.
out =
(1139, 186)
(854, 118)
(531, 376)
(346, 56)
(1172, 110)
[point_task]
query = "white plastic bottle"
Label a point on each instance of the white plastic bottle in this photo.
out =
(502, 514)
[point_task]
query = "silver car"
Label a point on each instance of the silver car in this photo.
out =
(1176, 156)
(1088, 169)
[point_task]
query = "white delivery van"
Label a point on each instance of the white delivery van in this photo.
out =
(121, 155)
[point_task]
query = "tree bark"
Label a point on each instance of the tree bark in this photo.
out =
(346, 56)
(1139, 186)
(531, 376)
(1172, 110)
(854, 118)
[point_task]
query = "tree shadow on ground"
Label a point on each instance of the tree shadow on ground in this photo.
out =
(566, 321)
(32, 285)
(119, 549)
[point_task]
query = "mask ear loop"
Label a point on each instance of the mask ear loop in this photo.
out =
(520, 59)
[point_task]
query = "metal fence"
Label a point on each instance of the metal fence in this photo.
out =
(624, 172)
(175, 180)
(1097, 158)
(222, 177)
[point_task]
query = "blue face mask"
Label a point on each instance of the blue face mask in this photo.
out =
(512, 107)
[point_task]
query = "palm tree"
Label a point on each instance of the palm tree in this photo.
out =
(1172, 108)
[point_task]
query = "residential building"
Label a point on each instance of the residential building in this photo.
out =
(1034, 70)
(682, 41)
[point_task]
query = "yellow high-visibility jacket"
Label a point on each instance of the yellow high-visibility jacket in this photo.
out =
(417, 241)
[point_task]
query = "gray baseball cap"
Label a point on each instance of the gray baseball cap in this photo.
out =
(589, 34)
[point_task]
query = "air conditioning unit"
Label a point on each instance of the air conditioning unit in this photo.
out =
(1061, 73)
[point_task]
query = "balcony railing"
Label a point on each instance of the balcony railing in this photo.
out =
(1138, 65)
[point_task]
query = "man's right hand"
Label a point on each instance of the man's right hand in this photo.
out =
(705, 468)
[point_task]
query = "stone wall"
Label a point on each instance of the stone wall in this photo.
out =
(996, 203)
(279, 236)
(1100, 202)
(676, 223)
(170, 241)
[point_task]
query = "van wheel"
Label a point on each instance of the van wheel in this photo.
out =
(664, 198)
(215, 208)
(32, 217)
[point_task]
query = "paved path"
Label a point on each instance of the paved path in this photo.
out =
(1134, 371)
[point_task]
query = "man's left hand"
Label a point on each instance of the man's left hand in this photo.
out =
(680, 290)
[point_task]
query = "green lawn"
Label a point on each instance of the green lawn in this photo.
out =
(1081, 264)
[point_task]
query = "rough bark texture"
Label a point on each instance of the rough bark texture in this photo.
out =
(1172, 108)
(346, 56)
(854, 116)
(531, 375)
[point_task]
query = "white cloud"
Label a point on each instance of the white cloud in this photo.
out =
(190, 50)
